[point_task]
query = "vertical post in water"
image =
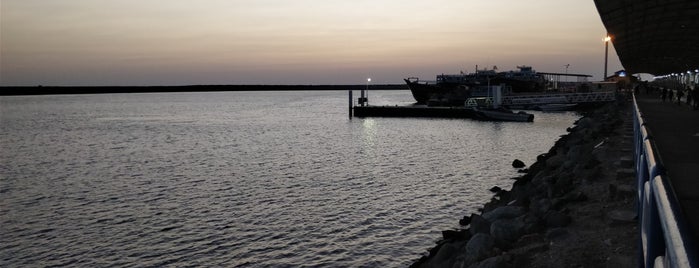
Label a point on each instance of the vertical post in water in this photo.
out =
(361, 98)
(350, 104)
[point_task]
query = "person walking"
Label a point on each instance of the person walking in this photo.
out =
(689, 96)
(664, 94)
(680, 93)
(669, 95)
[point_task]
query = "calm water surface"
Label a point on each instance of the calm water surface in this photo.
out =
(248, 179)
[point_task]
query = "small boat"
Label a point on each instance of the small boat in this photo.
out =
(556, 107)
(501, 114)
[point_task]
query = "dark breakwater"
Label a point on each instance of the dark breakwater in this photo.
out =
(571, 208)
(50, 90)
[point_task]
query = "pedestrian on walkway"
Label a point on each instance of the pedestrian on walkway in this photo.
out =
(680, 93)
(689, 96)
(669, 95)
(664, 94)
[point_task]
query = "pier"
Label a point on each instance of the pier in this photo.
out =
(660, 38)
(667, 169)
(413, 111)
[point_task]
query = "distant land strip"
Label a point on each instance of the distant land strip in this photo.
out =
(51, 90)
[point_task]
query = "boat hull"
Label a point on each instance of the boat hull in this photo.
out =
(438, 94)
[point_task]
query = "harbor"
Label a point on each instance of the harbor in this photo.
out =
(465, 96)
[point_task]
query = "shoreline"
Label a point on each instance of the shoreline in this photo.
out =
(61, 90)
(574, 207)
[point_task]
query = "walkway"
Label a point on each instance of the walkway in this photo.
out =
(675, 129)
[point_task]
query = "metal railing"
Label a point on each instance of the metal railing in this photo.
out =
(602, 96)
(665, 237)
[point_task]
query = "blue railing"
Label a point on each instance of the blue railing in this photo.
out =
(665, 237)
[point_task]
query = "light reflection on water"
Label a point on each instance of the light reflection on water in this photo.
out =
(242, 178)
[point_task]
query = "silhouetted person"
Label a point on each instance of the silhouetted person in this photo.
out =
(664, 94)
(680, 93)
(669, 95)
(689, 96)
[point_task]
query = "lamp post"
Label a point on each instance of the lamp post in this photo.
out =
(606, 53)
(367, 90)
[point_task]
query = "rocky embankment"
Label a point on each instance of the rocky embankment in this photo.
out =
(574, 207)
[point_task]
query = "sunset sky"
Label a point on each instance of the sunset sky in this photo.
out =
(158, 42)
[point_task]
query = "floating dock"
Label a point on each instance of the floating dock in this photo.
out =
(413, 111)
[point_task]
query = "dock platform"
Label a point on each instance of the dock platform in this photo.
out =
(413, 111)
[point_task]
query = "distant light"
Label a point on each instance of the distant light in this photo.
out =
(368, 80)
(608, 38)
(622, 74)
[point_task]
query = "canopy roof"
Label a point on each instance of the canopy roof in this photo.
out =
(653, 36)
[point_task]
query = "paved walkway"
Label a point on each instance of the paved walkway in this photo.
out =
(675, 129)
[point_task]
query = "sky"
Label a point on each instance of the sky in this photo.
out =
(180, 42)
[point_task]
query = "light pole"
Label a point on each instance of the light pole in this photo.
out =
(367, 90)
(606, 54)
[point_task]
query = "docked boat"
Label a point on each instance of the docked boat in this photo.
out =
(456, 88)
(501, 114)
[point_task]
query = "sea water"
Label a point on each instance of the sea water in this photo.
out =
(246, 179)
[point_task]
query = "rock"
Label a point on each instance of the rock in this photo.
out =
(530, 250)
(529, 239)
(518, 164)
(556, 233)
(446, 255)
(575, 196)
(495, 189)
(506, 212)
(466, 220)
(556, 219)
(479, 247)
(540, 207)
(620, 261)
(479, 224)
(622, 217)
(456, 235)
(494, 262)
(506, 231)
(555, 161)
(563, 185)
(532, 224)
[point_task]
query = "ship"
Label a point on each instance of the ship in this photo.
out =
(454, 89)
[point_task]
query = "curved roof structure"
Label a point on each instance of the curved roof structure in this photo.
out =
(653, 36)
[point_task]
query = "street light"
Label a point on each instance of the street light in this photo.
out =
(606, 53)
(367, 90)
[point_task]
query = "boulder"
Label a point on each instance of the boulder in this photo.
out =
(557, 233)
(518, 163)
(555, 219)
(540, 207)
(479, 224)
(494, 262)
(445, 257)
(466, 220)
(456, 235)
(479, 248)
(506, 231)
(506, 212)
